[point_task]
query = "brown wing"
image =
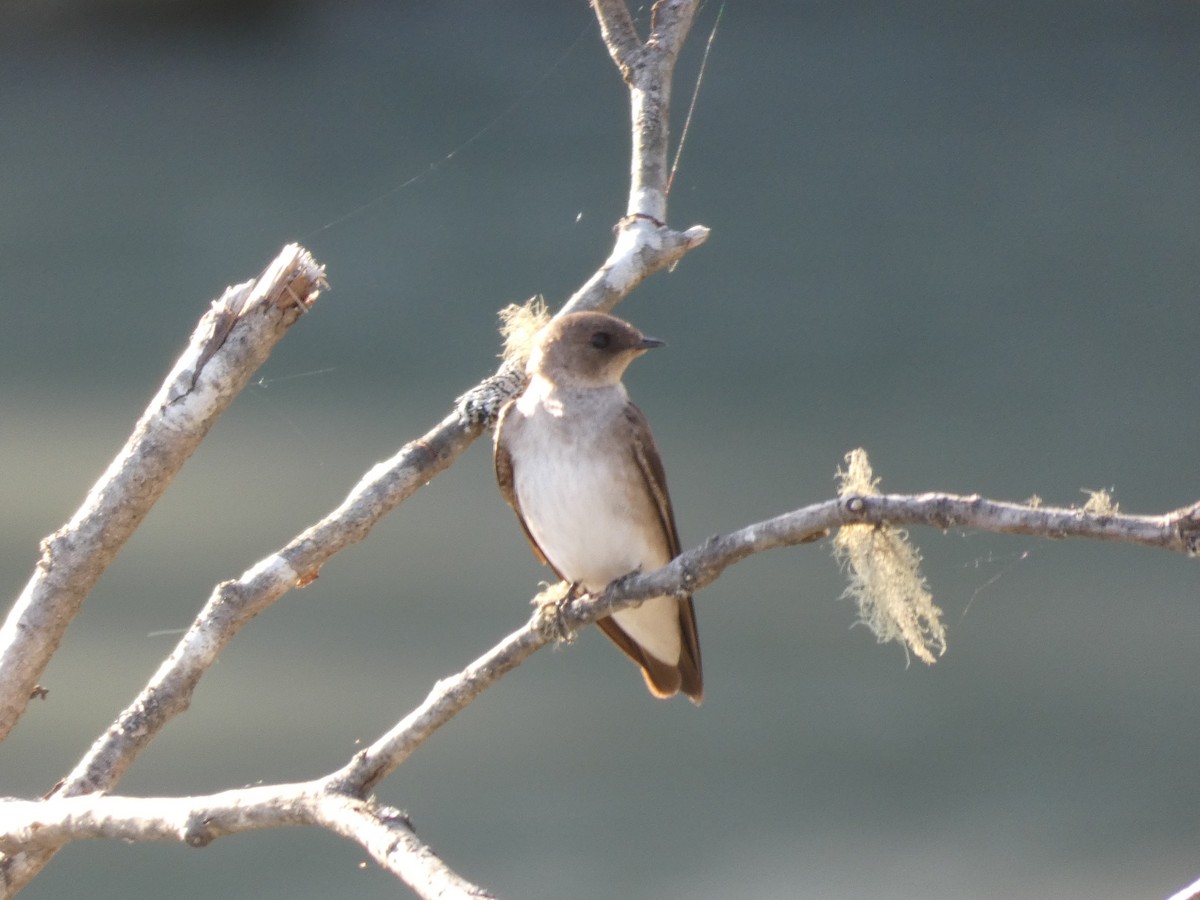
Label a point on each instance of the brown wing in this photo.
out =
(502, 460)
(689, 677)
(650, 464)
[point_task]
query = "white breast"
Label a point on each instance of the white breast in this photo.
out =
(589, 512)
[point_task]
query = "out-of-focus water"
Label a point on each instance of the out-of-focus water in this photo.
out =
(960, 235)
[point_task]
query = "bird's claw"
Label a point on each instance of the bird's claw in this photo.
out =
(551, 603)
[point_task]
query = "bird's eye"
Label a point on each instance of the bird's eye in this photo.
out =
(601, 339)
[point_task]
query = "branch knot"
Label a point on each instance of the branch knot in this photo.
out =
(1189, 531)
(197, 831)
(855, 505)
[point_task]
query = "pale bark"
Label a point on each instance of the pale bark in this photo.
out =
(230, 342)
(383, 831)
(1191, 892)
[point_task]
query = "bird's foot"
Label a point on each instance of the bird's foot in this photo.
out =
(550, 604)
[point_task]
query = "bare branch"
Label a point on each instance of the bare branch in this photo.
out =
(234, 603)
(335, 801)
(1177, 531)
(620, 37)
(384, 832)
(644, 242)
(642, 248)
(196, 821)
(1191, 892)
(670, 22)
(387, 834)
(230, 342)
(448, 698)
(650, 106)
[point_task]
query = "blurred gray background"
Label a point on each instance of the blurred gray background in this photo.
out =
(961, 235)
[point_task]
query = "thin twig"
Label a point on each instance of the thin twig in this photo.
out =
(620, 37)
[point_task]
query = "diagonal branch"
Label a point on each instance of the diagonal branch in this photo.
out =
(386, 833)
(448, 698)
(642, 248)
(619, 34)
(1191, 892)
(1177, 531)
(230, 342)
(234, 603)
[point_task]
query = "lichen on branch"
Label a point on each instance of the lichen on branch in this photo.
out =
(884, 573)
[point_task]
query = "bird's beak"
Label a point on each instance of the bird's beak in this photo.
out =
(649, 343)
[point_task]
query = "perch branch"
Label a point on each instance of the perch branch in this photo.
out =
(1178, 531)
(230, 342)
(337, 801)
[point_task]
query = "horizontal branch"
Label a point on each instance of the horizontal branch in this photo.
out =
(383, 831)
(1177, 531)
(195, 821)
(697, 568)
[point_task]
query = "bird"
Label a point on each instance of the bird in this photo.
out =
(575, 459)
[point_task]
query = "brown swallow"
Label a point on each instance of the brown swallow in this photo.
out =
(576, 461)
